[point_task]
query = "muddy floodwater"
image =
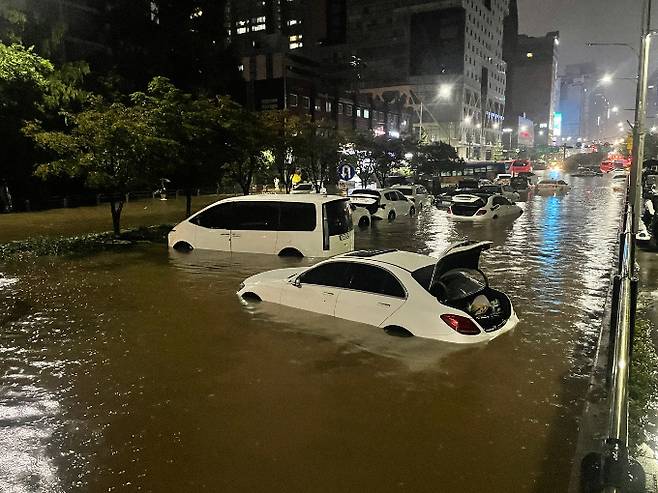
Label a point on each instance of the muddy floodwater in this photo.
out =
(142, 371)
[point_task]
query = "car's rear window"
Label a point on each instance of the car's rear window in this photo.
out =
(366, 192)
(423, 276)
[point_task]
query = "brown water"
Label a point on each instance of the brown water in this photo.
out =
(142, 371)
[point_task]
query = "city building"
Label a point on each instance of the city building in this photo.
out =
(584, 107)
(441, 59)
(445, 56)
(535, 90)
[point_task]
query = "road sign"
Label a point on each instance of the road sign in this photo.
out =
(346, 172)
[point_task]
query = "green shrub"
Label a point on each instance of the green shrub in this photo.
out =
(643, 385)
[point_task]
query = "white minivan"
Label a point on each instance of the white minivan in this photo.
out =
(290, 225)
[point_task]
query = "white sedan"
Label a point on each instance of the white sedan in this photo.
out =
(387, 203)
(481, 208)
(418, 194)
(404, 293)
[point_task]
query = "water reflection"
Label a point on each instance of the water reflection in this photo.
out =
(143, 371)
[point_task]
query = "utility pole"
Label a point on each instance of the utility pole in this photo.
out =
(640, 118)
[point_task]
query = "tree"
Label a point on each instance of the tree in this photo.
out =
(318, 152)
(281, 130)
(387, 155)
(428, 159)
(200, 128)
(246, 147)
(357, 152)
(112, 147)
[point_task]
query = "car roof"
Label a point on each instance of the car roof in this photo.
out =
(276, 197)
(469, 198)
(408, 261)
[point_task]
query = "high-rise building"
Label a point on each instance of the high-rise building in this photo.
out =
(446, 55)
(534, 82)
(584, 107)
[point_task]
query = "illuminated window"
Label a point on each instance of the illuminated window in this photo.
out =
(530, 54)
(196, 13)
(258, 27)
(366, 113)
(293, 22)
(241, 30)
(328, 107)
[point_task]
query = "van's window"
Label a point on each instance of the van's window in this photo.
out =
(407, 191)
(338, 216)
(400, 196)
(263, 216)
(217, 217)
(297, 216)
(392, 196)
(333, 274)
(375, 280)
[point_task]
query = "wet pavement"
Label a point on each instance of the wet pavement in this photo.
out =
(141, 371)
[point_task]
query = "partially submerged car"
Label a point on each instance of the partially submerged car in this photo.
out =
(404, 293)
(418, 194)
(387, 203)
(482, 208)
(553, 186)
(505, 190)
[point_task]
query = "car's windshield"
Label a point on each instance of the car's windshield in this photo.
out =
(406, 191)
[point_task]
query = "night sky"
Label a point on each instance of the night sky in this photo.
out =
(580, 21)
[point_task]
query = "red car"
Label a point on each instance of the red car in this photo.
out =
(520, 166)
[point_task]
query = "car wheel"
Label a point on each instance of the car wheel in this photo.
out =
(364, 222)
(183, 246)
(412, 211)
(290, 252)
(391, 216)
(251, 297)
(396, 331)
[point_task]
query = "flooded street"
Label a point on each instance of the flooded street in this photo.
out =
(142, 371)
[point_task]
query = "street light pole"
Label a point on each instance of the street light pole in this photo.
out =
(640, 119)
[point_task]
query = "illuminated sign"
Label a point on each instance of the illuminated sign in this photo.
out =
(557, 124)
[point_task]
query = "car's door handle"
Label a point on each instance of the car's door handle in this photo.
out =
(328, 293)
(224, 234)
(384, 304)
(235, 236)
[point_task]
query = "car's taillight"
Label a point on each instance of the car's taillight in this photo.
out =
(481, 212)
(461, 324)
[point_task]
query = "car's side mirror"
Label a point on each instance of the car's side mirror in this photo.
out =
(297, 283)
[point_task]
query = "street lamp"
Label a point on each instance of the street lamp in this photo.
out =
(445, 91)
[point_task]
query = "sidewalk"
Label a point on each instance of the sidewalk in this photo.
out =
(96, 219)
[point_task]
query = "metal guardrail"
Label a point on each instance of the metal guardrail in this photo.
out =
(611, 470)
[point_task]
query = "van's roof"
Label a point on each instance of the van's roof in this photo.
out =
(312, 198)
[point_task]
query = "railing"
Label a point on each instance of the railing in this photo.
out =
(609, 471)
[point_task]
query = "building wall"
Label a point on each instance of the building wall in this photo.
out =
(534, 78)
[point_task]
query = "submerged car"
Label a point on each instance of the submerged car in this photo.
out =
(387, 203)
(360, 215)
(481, 208)
(505, 190)
(553, 186)
(418, 194)
(404, 293)
(309, 225)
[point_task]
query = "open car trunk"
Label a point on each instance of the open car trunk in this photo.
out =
(457, 281)
(369, 202)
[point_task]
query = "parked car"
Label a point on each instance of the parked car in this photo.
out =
(532, 178)
(387, 203)
(404, 293)
(360, 215)
(306, 187)
(586, 172)
(310, 225)
(444, 200)
(553, 186)
(505, 190)
(503, 179)
(520, 166)
(418, 194)
(482, 208)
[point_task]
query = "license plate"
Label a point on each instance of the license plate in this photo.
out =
(344, 236)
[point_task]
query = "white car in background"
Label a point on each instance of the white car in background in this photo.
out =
(505, 190)
(306, 187)
(386, 203)
(418, 194)
(361, 216)
(404, 293)
(503, 179)
(482, 208)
